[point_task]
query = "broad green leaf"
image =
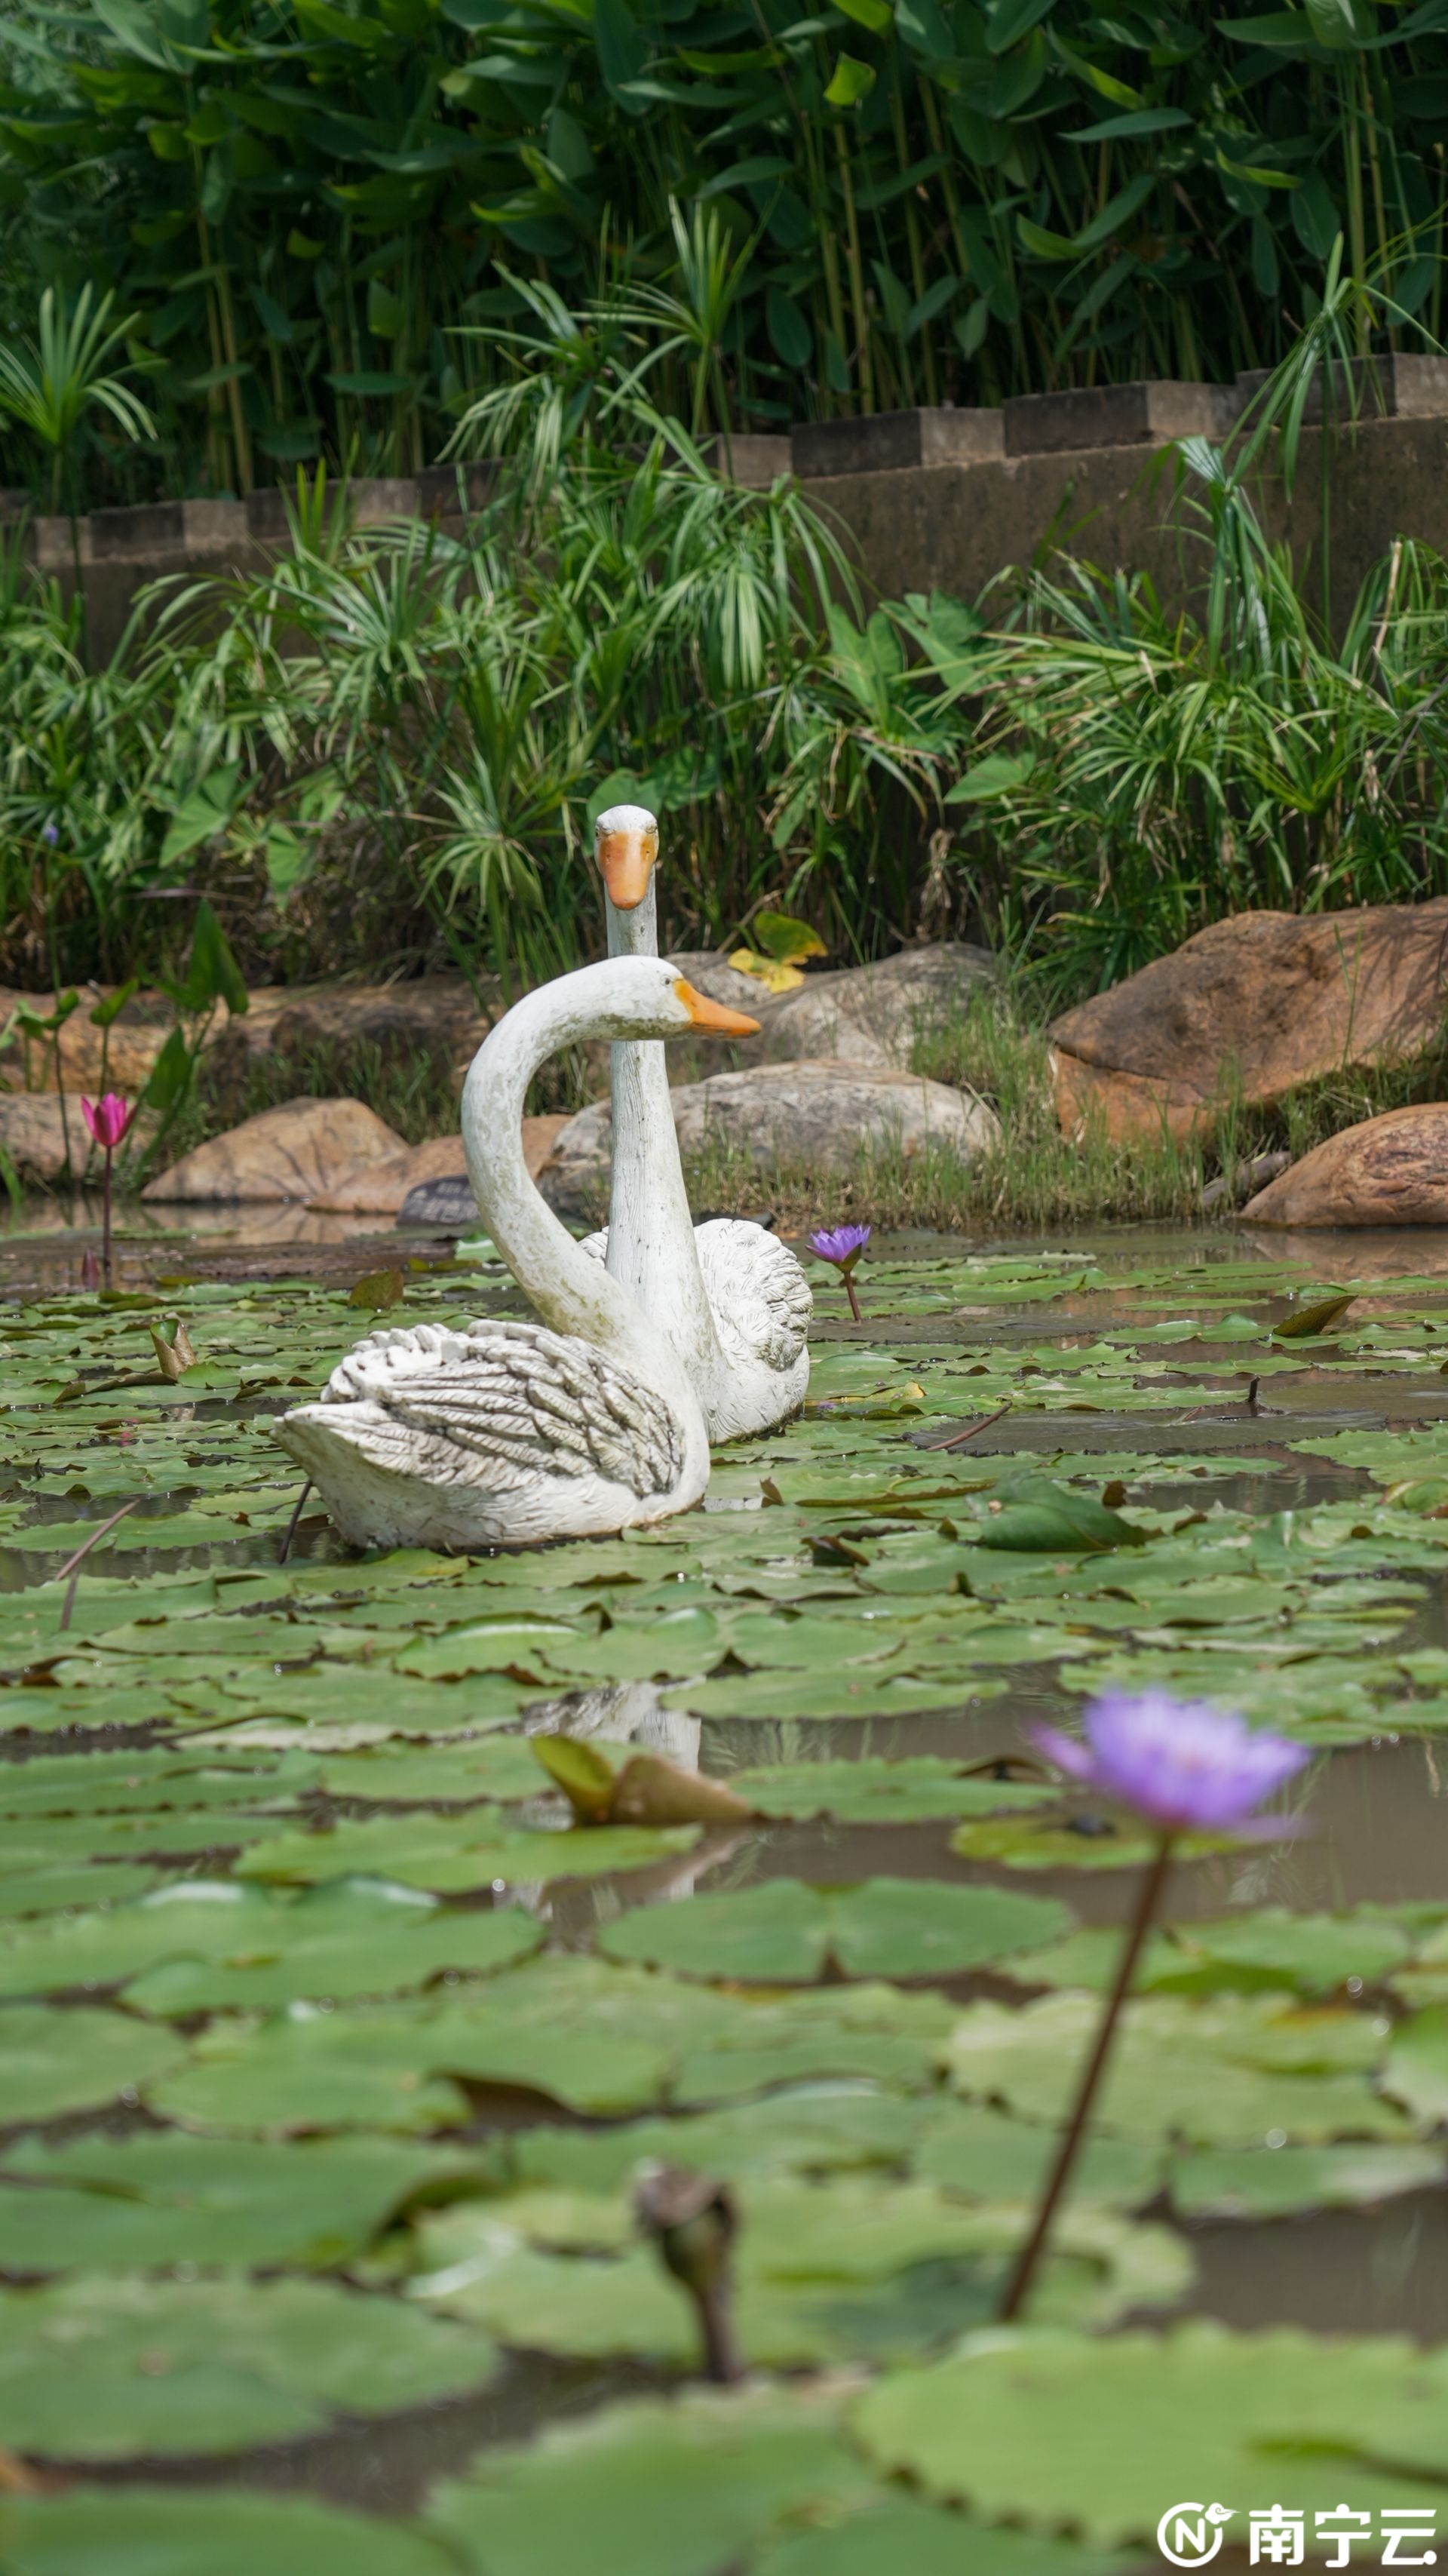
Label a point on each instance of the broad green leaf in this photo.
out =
(787, 1933)
(153, 2200)
(210, 2531)
(1033, 2425)
(119, 2367)
(199, 1944)
(1226, 2071)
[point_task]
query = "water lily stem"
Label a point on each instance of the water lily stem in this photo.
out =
(107, 1273)
(850, 1293)
(284, 1551)
(73, 1564)
(1029, 2259)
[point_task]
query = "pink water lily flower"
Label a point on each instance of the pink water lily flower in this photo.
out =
(107, 1119)
(1187, 1767)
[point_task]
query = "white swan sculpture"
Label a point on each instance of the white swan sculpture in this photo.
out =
(731, 1296)
(505, 1434)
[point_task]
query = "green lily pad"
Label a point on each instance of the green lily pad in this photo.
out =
(1261, 2183)
(918, 2539)
(1312, 1954)
(119, 2367)
(1054, 2430)
(211, 2531)
(153, 2200)
(454, 1854)
(1225, 2071)
(787, 1933)
(76, 2061)
(842, 2270)
(872, 1791)
(599, 2039)
(659, 2487)
(199, 1944)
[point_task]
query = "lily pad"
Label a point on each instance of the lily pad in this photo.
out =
(211, 2531)
(76, 2061)
(598, 2039)
(825, 2272)
(1226, 2071)
(454, 1854)
(1053, 2429)
(680, 2487)
(1261, 2183)
(154, 2200)
(120, 2367)
(788, 1933)
(871, 1791)
(199, 1944)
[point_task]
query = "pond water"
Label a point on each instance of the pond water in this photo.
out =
(334, 2043)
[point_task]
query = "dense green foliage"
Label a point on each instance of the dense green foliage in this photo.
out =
(416, 730)
(308, 211)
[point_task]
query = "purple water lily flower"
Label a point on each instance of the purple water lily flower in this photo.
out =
(841, 1246)
(50, 833)
(1187, 1767)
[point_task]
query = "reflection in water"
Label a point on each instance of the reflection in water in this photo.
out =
(621, 1713)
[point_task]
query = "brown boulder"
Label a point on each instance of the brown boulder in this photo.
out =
(136, 1039)
(383, 1189)
(379, 1189)
(1391, 1170)
(1250, 1007)
(865, 1015)
(298, 1152)
(434, 1016)
(818, 1114)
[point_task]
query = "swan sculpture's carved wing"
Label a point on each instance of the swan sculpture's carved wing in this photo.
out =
(761, 1299)
(760, 1295)
(502, 1403)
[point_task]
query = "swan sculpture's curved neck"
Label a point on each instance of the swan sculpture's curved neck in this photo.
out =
(569, 1289)
(651, 1248)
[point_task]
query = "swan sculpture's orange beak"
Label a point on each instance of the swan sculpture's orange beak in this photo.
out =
(714, 1015)
(626, 860)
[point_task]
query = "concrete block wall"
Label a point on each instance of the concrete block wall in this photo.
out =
(930, 499)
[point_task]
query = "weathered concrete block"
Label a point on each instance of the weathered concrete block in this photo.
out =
(53, 546)
(152, 527)
(213, 527)
(753, 459)
(1394, 386)
(1144, 414)
(891, 441)
(266, 514)
(374, 497)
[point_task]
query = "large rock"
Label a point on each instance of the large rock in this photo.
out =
(428, 1184)
(866, 1015)
(1391, 1170)
(297, 1152)
(435, 1016)
(1248, 1008)
(128, 1054)
(815, 1114)
(379, 1188)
